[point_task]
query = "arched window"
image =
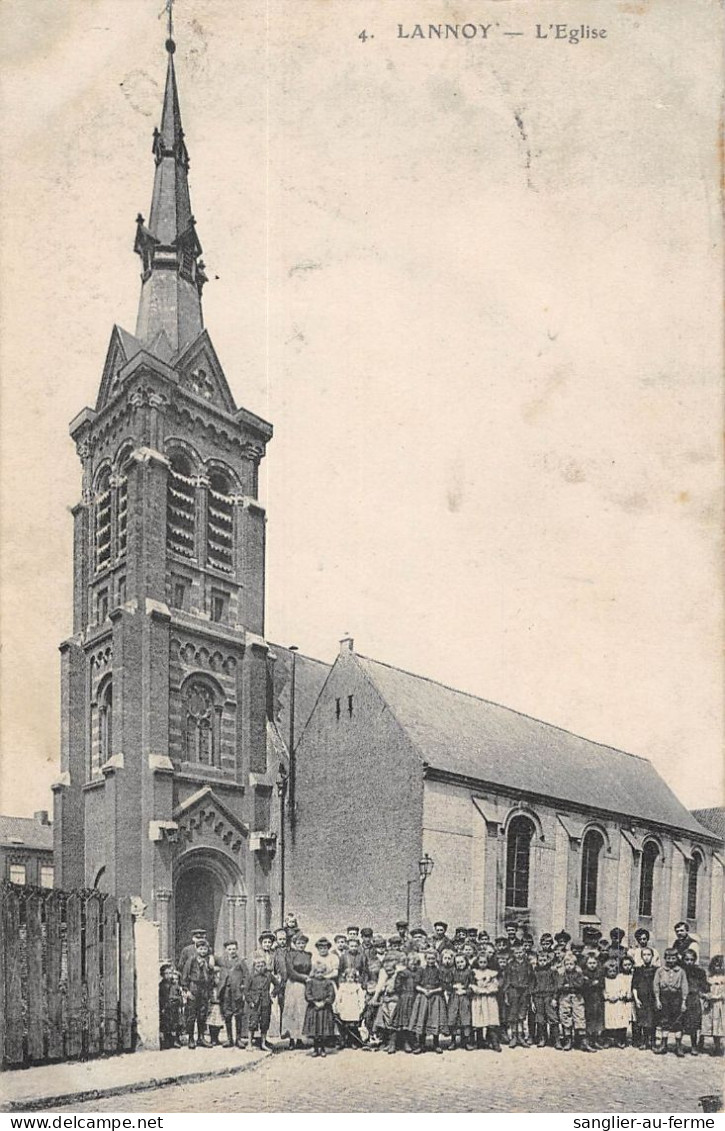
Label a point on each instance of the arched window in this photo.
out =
(202, 724)
(220, 524)
(105, 724)
(102, 512)
(692, 878)
(181, 507)
(518, 852)
(650, 852)
(592, 846)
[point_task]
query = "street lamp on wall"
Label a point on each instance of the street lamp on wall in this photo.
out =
(282, 783)
(425, 867)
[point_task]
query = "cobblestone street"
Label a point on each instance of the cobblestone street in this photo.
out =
(521, 1080)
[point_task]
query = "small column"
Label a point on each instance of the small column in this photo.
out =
(237, 919)
(491, 881)
(264, 915)
(634, 891)
(157, 403)
(573, 878)
(163, 916)
(202, 517)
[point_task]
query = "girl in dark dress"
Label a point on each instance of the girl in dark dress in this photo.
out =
(696, 986)
(429, 1011)
(645, 1010)
(319, 1021)
(593, 991)
(459, 1005)
(406, 986)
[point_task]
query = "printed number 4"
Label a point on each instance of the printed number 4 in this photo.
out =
(364, 36)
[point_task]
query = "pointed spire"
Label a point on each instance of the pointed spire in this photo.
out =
(172, 276)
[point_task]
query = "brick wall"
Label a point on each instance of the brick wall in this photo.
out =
(357, 838)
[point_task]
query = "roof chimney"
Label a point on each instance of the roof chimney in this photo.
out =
(41, 816)
(347, 644)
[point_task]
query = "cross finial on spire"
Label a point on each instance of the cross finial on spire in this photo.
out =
(169, 9)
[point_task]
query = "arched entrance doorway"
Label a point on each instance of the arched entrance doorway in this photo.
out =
(208, 893)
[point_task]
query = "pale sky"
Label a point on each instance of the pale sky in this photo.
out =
(475, 285)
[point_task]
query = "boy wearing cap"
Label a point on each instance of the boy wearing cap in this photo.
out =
(420, 940)
(197, 937)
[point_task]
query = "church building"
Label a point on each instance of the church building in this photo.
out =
(421, 801)
(168, 758)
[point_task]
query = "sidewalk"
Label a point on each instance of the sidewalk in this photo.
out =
(47, 1086)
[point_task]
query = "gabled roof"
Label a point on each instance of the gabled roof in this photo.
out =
(201, 373)
(121, 348)
(310, 675)
(25, 832)
(712, 819)
(463, 735)
(207, 796)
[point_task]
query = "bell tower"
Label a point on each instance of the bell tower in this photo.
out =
(164, 790)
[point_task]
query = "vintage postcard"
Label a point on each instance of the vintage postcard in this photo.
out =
(361, 511)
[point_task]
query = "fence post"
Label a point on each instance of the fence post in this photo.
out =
(54, 967)
(93, 972)
(110, 974)
(127, 975)
(35, 986)
(75, 981)
(13, 980)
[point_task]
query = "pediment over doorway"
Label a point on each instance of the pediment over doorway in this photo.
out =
(204, 816)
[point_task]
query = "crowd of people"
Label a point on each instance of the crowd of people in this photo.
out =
(412, 991)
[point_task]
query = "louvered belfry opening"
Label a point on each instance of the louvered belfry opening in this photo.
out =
(181, 508)
(220, 529)
(103, 523)
(122, 502)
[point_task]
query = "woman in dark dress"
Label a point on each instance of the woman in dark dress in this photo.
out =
(299, 966)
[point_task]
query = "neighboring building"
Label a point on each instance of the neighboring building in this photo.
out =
(712, 819)
(172, 713)
(521, 819)
(26, 850)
